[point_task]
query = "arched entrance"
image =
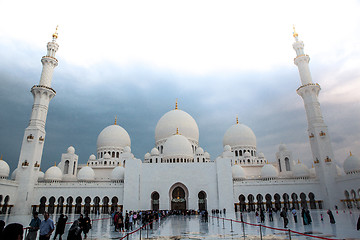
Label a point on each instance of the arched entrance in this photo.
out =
(202, 200)
(178, 196)
(155, 201)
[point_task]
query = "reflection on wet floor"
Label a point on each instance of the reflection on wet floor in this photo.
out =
(191, 227)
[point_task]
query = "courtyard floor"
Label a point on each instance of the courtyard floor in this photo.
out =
(191, 227)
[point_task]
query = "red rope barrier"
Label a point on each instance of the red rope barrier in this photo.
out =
(278, 229)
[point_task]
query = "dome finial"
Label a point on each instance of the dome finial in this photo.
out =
(115, 123)
(55, 35)
(177, 131)
(1, 157)
(295, 35)
(350, 154)
(176, 104)
(55, 164)
(237, 119)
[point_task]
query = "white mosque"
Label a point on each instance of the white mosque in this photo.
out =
(177, 173)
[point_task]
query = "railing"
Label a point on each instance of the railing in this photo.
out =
(289, 231)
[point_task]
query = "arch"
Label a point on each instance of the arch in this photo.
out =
(74, 168)
(202, 202)
(155, 202)
(66, 167)
(286, 201)
(105, 207)
(96, 207)
(42, 205)
(268, 201)
(69, 205)
(51, 207)
(295, 203)
(87, 205)
(312, 200)
(251, 202)
(259, 199)
(5, 206)
(60, 206)
(353, 197)
(287, 164)
(242, 201)
(279, 165)
(277, 201)
(114, 204)
(303, 200)
(78, 202)
(178, 195)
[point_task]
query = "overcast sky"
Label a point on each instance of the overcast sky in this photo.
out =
(219, 58)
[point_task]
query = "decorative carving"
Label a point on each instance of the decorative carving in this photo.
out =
(36, 164)
(316, 161)
(322, 134)
(327, 159)
(311, 135)
(41, 139)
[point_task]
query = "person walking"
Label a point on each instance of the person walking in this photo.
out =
(34, 227)
(331, 216)
(46, 227)
(283, 214)
(74, 231)
(294, 213)
(86, 226)
(60, 226)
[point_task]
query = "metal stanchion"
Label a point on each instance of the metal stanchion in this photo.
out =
(140, 232)
(218, 221)
(223, 223)
(243, 226)
(231, 226)
(289, 234)
(260, 233)
(147, 231)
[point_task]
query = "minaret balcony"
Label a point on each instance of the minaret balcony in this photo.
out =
(43, 86)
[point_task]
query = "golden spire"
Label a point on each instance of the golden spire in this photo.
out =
(177, 131)
(350, 153)
(176, 105)
(87, 164)
(55, 35)
(295, 35)
(298, 160)
(55, 164)
(1, 157)
(237, 119)
(267, 161)
(115, 123)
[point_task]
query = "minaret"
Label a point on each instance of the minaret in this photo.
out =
(318, 132)
(34, 137)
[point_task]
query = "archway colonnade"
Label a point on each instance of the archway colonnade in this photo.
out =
(255, 202)
(352, 198)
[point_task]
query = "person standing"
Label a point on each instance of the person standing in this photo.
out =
(34, 227)
(262, 215)
(13, 231)
(358, 224)
(131, 219)
(294, 213)
(46, 227)
(271, 219)
(257, 217)
(283, 214)
(86, 225)
(74, 231)
(331, 216)
(307, 212)
(60, 226)
(304, 217)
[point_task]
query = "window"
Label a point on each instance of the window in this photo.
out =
(287, 164)
(236, 153)
(66, 167)
(279, 165)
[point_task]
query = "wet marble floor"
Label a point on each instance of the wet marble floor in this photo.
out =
(191, 227)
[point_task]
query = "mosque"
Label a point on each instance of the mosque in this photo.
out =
(177, 173)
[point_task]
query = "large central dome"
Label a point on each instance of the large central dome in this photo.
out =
(113, 136)
(174, 119)
(239, 135)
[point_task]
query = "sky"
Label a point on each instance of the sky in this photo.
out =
(220, 59)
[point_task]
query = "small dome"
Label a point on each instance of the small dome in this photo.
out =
(339, 171)
(117, 173)
(207, 155)
(238, 172)
(4, 169)
(41, 176)
(247, 154)
(227, 148)
(154, 152)
(301, 170)
(107, 156)
(312, 172)
(86, 174)
(127, 149)
(199, 151)
(13, 175)
(92, 157)
(71, 150)
(53, 174)
(113, 136)
(269, 171)
(239, 135)
(352, 164)
(147, 156)
(282, 147)
(178, 145)
(261, 155)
